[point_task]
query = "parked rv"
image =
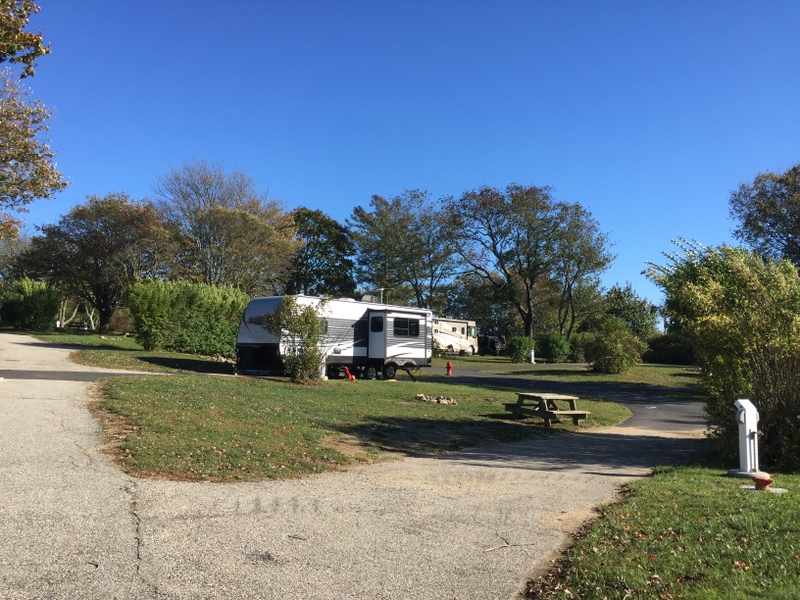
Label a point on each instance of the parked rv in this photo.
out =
(455, 336)
(366, 337)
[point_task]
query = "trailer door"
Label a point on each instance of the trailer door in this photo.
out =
(377, 334)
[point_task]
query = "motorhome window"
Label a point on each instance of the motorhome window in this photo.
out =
(376, 324)
(406, 327)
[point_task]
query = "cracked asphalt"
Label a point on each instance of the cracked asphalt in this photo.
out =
(474, 524)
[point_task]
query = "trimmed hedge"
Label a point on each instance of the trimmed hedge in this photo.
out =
(31, 305)
(552, 347)
(192, 318)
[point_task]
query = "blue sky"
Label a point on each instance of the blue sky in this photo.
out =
(647, 113)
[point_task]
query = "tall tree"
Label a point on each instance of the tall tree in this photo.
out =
(16, 44)
(403, 242)
(27, 167)
(623, 304)
(471, 297)
(522, 242)
(322, 264)
(580, 255)
(98, 249)
(230, 233)
(768, 214)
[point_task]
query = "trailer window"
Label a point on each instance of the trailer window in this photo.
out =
(376, 324)
(406, 327)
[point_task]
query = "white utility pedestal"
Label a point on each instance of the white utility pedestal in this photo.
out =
(747, 418)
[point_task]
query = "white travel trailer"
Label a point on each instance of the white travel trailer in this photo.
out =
(456, 336)
(366, 337)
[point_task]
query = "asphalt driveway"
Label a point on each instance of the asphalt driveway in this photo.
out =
(473, 524)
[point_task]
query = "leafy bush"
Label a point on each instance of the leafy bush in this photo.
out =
(519, 348)
(552, 347)
(30, 304)
(187, 317)
(669, 349)
(615, 349)
(741, 315)
(578, 346)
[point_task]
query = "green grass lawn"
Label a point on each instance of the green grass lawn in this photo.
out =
(687, 532)
(244, 428)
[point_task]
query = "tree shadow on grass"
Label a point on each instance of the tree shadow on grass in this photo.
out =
(520, 445)
(416, 437)
(189, 365)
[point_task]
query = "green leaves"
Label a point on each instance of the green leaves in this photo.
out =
(741, 314)
(27, 164)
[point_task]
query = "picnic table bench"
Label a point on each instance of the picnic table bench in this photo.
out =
(546, 406)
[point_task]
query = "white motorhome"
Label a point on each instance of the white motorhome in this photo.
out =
(456, 336)
(368, 338)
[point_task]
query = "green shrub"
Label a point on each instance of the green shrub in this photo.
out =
(187, 317)
(151, 305)
(552, 347)
(669, 349)
(615, 349)
(578, 346)
(519, 348)
(31, 305)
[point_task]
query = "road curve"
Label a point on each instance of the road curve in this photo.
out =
(472, 525)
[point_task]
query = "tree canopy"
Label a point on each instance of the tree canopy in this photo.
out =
(16, 44)
(768, 214)
(527, 246)
(322, 264)
(229, 233)
(27, 167)
(402, 242)
(97, 250)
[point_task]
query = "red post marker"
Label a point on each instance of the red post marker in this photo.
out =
(449, 368)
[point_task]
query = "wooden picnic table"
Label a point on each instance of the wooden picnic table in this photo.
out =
(546, 406)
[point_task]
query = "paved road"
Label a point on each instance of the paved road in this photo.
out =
(467, 525)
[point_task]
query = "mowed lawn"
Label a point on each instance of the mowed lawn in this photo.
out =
(243, 428)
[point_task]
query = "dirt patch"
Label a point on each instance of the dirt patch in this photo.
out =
(689, 434)
(346, 444)
(114, 429)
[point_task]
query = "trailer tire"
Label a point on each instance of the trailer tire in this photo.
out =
(371, 373)
(334, 372)
(389, 371)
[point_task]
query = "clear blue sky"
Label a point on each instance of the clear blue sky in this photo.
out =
(648, 113)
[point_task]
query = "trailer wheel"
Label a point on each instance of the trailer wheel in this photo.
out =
(334, 372)
(470, 351)
(371, 373)
(389, 371)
